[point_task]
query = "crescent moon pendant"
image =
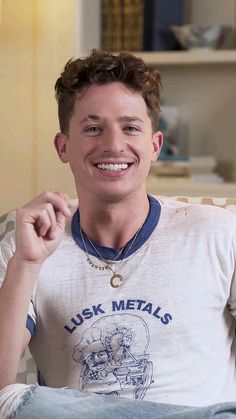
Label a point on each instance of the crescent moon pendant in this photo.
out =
(113, 278)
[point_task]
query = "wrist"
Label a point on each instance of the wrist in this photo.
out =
(24, 266)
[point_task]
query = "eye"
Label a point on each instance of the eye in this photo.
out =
(93, 130)
(131, 128)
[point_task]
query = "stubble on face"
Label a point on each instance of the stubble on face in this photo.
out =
(101, 114)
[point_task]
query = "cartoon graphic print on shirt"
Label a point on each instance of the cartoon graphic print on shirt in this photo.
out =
(114, 358)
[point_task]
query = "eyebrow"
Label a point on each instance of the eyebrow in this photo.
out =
(130, 119)
(90, 117)
(121, 119)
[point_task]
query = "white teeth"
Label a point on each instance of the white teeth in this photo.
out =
(113, 166)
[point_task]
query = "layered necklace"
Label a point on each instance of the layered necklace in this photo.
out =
(116, 279)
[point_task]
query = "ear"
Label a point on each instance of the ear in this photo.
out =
(157, 141)
(60, 143)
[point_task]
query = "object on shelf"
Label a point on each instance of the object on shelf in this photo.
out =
(121, 25)
(158, 16)
(202, 169)
(201, 36)
(197, 169)
(182, 186)
(170, 168)
(202, 164)
(207, 178)
(170, 161)
(169, 125)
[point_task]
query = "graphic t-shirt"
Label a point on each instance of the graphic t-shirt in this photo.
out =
(165, 334)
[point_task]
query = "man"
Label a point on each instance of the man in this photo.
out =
(133, 296)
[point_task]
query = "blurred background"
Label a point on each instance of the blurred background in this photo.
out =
(191, 42)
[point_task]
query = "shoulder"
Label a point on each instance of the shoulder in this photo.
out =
(200, 213)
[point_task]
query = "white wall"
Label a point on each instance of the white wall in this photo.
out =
(16, 102)
(37, 37)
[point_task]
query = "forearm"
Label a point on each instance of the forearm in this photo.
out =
(40, 227)
(15, 297)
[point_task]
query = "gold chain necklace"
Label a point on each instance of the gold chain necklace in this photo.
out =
(106, 264)
(100, 256)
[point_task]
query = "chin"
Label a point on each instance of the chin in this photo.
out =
(111, 198)
(117, 196)
(112, 193)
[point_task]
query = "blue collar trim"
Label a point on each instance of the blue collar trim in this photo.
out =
(109, 253)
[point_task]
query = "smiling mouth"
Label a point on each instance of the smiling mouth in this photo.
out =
(115, 167)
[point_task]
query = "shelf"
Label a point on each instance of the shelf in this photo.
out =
(184, 187)
(192, 57)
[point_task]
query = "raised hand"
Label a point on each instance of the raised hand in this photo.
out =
(40, 225)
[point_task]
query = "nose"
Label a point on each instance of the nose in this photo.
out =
(112, 141)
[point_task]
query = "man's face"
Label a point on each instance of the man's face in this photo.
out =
(110, 143)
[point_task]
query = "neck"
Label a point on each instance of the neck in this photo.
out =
(113, 224)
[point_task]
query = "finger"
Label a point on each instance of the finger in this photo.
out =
(53, 222)
(43, 223)
(57, 220)
(59, 203)
(67, 198)
(61, 221)
(57, 199)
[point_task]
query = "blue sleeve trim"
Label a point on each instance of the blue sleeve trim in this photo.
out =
(30, 325)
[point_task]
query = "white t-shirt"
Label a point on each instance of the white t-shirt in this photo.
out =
(166, 334)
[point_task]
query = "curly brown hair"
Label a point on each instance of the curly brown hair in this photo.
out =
(102, 67)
